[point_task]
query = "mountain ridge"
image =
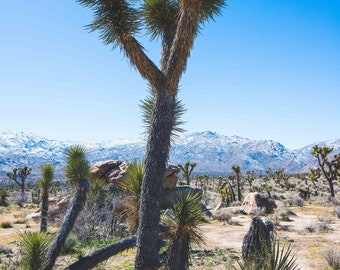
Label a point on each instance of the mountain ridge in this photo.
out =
(213, 152)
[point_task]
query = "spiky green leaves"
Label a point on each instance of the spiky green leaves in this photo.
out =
(184, 217)
(77, 167)
(47, 172)
(113, 19)
(147, 106)
(210, 9)
(34, 247)
(132, 184)
(159, 15)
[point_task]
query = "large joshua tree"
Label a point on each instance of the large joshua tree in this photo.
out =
(329, 169)
(176, 23)
(45, 183)
(76, 173)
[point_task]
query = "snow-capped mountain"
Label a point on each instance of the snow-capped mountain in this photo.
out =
(213, 153)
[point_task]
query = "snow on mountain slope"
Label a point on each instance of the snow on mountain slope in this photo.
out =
(213, 153)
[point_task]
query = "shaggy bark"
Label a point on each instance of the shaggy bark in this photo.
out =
(44, 210)
(257, 243)
(178, 255)
(68, 223)
(154, 171)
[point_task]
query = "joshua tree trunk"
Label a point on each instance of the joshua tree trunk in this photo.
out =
(68, 223)
(103, 254)
(331, 187)
(239, 196)
(44, 210)
(178, 257)
(154, 170)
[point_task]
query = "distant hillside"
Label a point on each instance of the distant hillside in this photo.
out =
(213, 153)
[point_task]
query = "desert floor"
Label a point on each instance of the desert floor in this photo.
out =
(222, 239)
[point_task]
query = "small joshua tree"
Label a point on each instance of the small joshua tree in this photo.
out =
(45, 183)
(76, 172)
(3, 195)
(19, 176)
(251, 175)
(183, 219)
(237, 171)
(227, 193)
(187, 169)
(34, 246)
(329, 169)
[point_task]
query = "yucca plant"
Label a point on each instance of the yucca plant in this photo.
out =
(183, 218)
(76, 173)
(132, 185)
(34, 247)
(45, 183)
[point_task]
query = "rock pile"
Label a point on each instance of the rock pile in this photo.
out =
(255, 202)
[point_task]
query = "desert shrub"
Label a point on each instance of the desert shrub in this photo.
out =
(20, 199)
(283, 214)
(69, 246)
(332, 257)
(324, 222)
(34, 247)
(335, 201)
(310, 228)
(3, 196)
(5, 250)
(295, 200)
(6, 224)
(337, 211)
(324, 200)
(94, 221)
(222, 215)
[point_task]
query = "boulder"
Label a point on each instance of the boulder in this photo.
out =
(114, 171)
(171, 179)
(116, 175)
(101, 168)
(255, 201)
(64, 202)
(34, 216)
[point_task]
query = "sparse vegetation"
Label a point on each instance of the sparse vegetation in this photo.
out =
(96, 227)
(332, 256)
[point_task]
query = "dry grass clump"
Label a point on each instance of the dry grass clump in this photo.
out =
(6, 224)
(332, 256)
(20, 221)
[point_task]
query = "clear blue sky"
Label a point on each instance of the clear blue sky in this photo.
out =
(265, 69)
